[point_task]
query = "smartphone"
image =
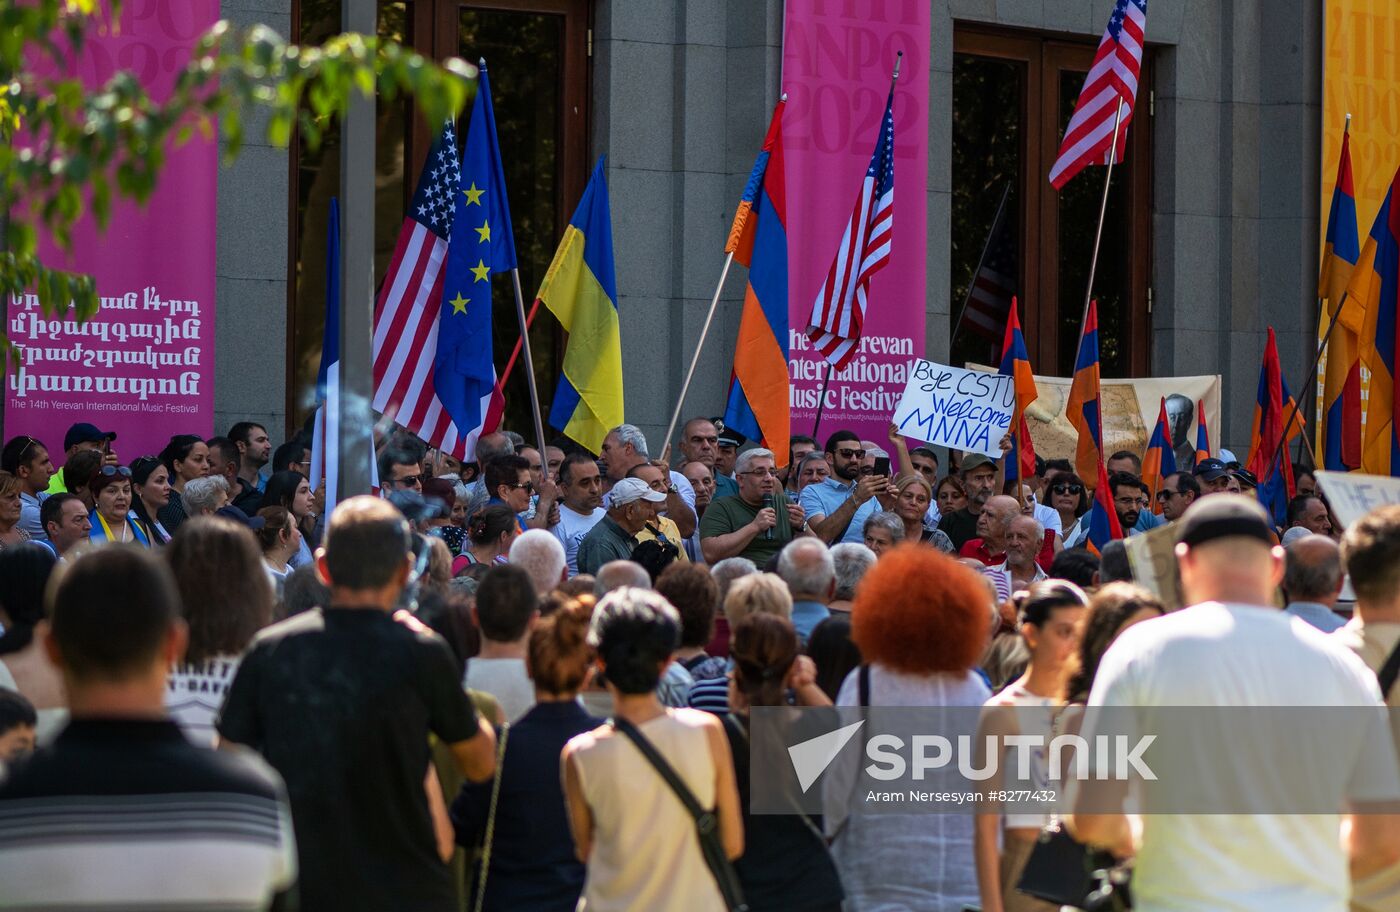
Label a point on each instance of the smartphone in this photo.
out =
(882, 466)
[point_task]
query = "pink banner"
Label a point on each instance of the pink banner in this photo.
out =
(837, 62)
(143, 366)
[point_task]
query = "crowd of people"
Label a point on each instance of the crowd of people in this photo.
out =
(525, 682)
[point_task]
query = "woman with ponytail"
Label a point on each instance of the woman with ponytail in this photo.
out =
(532, 864)
(785, 864)
(489, 534)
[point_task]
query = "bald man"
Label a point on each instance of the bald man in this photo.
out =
(1233, 648)
(1312, 580)
(992, 525)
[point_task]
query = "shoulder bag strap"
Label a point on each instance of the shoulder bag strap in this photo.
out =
(863, 685)
(1389, 672)
(662, 767)
(491, 817)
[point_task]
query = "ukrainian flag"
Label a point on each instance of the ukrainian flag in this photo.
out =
(1370, 311)
(1084, 408)
(1016, 363)
(1160, 459)
(580, 289)
(1338, 444)
(758, 388)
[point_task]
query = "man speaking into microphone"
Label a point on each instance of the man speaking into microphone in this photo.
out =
(757, 522)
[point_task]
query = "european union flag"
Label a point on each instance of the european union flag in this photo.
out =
(482, 243)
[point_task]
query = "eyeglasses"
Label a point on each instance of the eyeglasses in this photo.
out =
(762, 473)
(851, 454)
(1067, 488)
(110, 471)
(1163, 496)
(1131, 501)
(408, 481)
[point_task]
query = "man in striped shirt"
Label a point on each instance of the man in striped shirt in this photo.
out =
(122, 812)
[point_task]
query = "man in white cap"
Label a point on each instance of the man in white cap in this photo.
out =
(631, 505)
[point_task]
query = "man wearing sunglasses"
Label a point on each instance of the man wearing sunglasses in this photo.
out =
(1178, 492)
(508, 482)
(837, 507)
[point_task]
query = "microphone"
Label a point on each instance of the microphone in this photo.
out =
(768, 505)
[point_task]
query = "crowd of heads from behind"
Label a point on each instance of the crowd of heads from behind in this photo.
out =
(550, 588)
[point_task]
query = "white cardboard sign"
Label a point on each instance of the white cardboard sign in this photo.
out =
(1353, 495)
(962, 409)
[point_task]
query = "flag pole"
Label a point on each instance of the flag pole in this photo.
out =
(695, 358)
(821, 400)
(1312, 377)
(529, 362)
(981, 261)
(515, 352)
(1103, 208)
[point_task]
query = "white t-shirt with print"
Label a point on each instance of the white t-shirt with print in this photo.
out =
(571, 529)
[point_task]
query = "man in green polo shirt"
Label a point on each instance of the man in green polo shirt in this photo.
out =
(631, 505)
(757, 522)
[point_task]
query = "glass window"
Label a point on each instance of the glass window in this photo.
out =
(1013, 96)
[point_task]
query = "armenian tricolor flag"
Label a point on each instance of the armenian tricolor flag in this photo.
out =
(1268, 456)
(1202, 432)
(1016, 363)
(1084, 409)
(1160, 459)
(758, 388)
(1370, 312)
(1102, 517)
(580, 289)
(1338, 444)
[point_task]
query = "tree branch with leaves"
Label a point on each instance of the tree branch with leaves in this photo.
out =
(67, 150)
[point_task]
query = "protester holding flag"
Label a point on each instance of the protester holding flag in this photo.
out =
(1268, 456)
(1160, 461)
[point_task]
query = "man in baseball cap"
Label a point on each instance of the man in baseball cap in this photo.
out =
(631, 505)
(82, 436)
(1213, 476)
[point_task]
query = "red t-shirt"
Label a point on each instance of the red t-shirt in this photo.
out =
(978, 549)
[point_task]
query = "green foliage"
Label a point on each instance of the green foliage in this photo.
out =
(66, 150)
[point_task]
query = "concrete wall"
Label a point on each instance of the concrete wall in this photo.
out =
(681, 96)
(250, 375)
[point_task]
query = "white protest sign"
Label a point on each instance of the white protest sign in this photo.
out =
(962, 409)
(1353, 495)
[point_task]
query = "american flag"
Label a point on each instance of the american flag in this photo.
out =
(406, 312)
(989, 298)
(839, 311)
(1112, 82)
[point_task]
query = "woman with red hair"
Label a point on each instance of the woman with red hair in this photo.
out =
(920, 620)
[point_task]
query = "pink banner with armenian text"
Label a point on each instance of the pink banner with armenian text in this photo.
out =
(837, 62)
(143, 366)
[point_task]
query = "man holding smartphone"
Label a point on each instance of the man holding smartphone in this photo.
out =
(838, 506)
(82, 436)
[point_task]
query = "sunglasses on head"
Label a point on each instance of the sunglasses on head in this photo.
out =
(1067, 488)
(111, 471)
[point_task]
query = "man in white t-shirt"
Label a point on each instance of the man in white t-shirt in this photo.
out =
(1232, 648)
(506, 610)
(581, 485)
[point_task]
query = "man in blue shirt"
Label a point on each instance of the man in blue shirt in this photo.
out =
(838, 506)
(806, 566)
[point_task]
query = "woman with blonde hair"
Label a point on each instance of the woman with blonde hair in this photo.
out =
(757, 593)
(10, 509)
(911, 505)
(920, 620)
